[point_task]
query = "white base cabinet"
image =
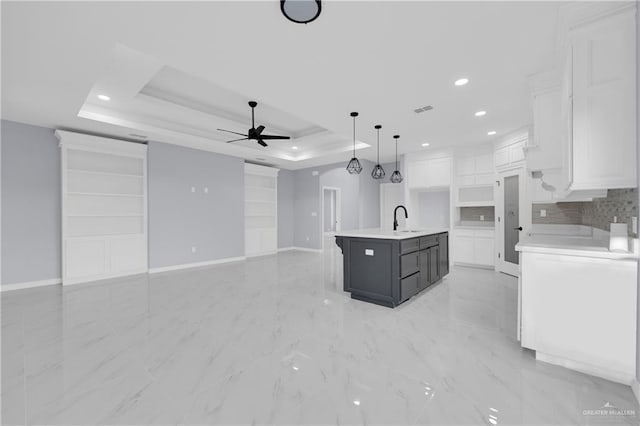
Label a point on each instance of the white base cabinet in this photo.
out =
(474, 247)
(580, 312)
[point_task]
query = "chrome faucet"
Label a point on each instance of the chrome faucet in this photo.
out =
(395, 220)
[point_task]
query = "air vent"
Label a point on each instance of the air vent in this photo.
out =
(423, 109)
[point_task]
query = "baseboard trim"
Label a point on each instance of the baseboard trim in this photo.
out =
(622, 377)
(310, 250)
(30, 284)
(195, 264)
(473, 265)
(635, 387)
(286, 249)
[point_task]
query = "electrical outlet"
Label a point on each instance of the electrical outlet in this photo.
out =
(307, 238)
(482, 217)
(314, 214)
(543, 213)
(193, 189)
(206, 190)
(634, 224)
(193, 249)
(314, 173)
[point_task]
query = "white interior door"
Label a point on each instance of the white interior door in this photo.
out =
(331, 210)
(391, 195)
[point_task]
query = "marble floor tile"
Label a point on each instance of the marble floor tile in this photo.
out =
(275, 340)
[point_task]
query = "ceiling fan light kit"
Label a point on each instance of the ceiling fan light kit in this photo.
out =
(254, 133)
(378, 171)
(354, 166)
(396, 176)
(301, 11)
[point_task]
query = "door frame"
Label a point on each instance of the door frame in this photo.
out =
(338, 210)
(524, 216)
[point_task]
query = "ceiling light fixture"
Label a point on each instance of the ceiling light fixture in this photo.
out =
(425, 144)
(396, 176)
(295, 148)
(461, 81)
(481, 113)
(378, 171)
(104, 98)
(301, 11)
(491, 133)
(354, 166)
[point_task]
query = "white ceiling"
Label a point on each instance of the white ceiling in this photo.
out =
(178, 70)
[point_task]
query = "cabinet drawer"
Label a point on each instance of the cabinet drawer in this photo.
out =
(409, 264)
(409, 286)
(430, 241)
(407, 246)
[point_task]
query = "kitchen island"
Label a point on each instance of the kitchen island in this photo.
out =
(389, 267)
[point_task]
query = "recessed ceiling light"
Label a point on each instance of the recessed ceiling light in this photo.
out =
(461, 81)
(481, 113)
(356, 402)
(491, 133)
(104, 98)
(294, 147)
(425, 144)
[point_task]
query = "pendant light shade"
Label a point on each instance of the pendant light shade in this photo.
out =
(378, 171)
(396, 176)
(354, 166)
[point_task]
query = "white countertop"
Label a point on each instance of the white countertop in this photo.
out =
(572, 246)
(385, 234)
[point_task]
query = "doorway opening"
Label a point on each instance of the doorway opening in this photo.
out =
(511, 217)
(331, 210)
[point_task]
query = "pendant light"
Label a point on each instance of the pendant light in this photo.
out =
(378, 171)
(301, 11)
(396, 177)
(354, 166)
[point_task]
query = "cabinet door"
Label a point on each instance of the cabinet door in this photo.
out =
(434, 268)
(485, 179)
(484, 164)
(443, 260)
(465, 166)
(484, 251)
(464, 249)
(604, 110)
(501, 157)
(424, 269)
(417, 174)
(438, 172)
(409, 286)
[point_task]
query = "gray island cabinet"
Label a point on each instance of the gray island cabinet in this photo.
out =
(389, 267)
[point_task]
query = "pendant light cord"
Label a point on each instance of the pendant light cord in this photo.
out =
(396, 154)
(354, 137)
(378, 146)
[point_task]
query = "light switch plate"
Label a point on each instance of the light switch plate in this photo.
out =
(206, 190)
(193, 189)
(368, 252)
(634, 224)
(543, 213)
(482, 217)
(314, 214)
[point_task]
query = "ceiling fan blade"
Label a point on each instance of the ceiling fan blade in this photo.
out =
(274, 137)
(236, 140)
(235, 133)
(259, 129)
(263, 143)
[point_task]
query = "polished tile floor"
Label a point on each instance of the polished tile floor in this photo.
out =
(274, 340)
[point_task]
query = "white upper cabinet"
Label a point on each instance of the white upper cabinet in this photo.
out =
(477, 170)
(511, 154)
(429, 173)
(604, 109)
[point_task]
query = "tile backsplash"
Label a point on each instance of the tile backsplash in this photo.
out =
(473, 214)
(599, 213)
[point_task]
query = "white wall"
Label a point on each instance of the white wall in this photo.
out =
(433, 208)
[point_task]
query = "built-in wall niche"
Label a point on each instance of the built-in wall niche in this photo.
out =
(104, 207)
(261, 209)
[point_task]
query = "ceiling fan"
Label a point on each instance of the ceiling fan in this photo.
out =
(254, 133)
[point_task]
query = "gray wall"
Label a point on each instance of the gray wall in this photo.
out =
(359, 197)
(179, 219)
(285, 208)
(31, 203)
